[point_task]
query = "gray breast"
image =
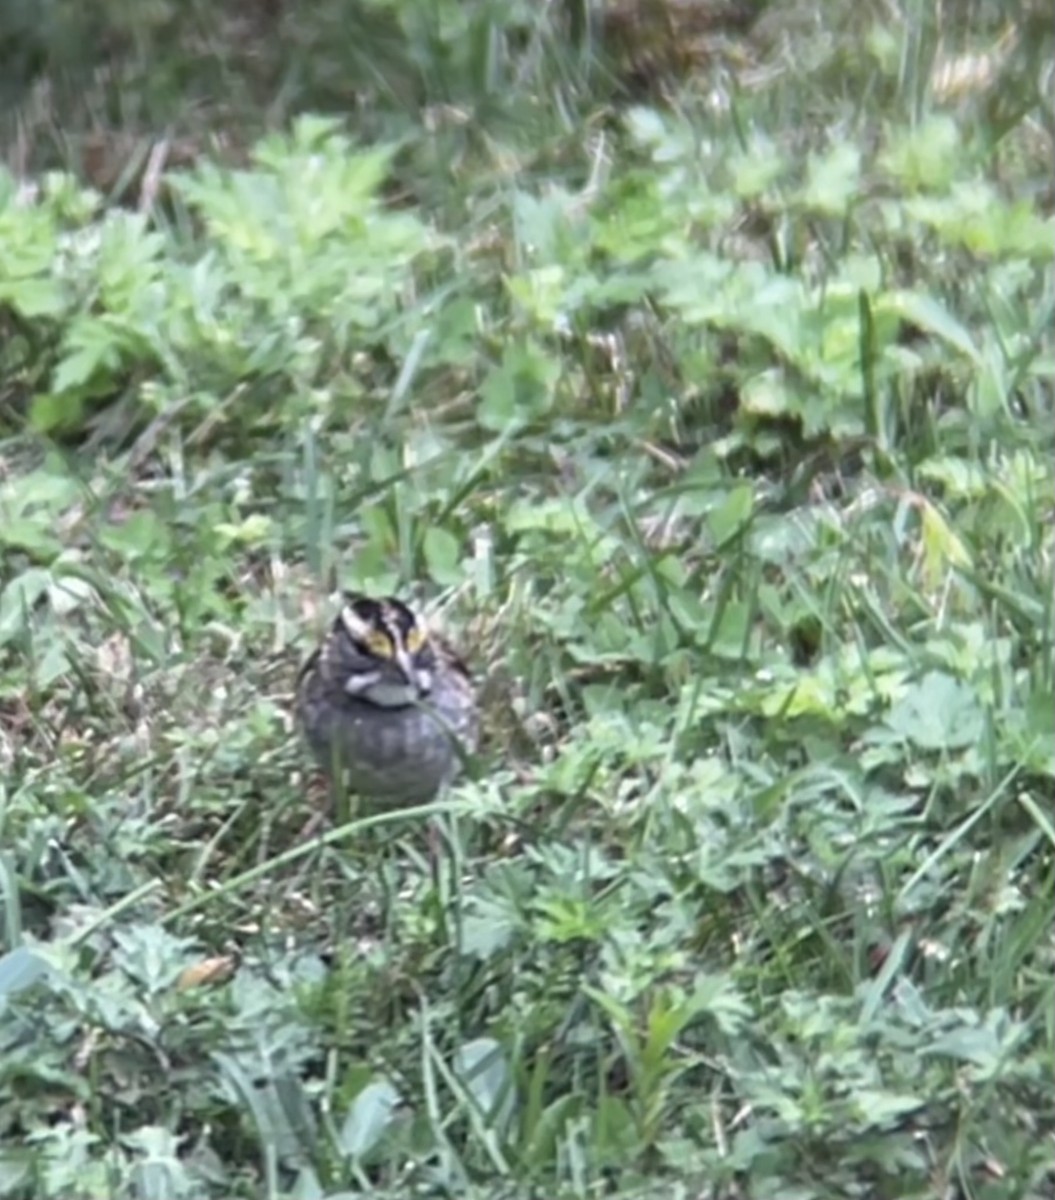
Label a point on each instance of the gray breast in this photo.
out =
(395, 755)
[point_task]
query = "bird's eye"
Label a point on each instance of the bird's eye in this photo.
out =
(378, 643)
(415, 640)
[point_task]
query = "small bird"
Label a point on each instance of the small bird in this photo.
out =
(385, 705)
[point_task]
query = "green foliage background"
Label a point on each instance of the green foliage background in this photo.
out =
(711, 411)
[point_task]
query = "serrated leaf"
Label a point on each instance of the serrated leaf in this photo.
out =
(519, 388)
(924, 156)
(756, 167)
(833, 179)
(486, 931)
(938, 713)
(32, 298)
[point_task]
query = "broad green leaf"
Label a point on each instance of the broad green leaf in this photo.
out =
(756, 167)
(483, 1068)
(19, 969)
(767, 394)
(833, 180)
(520, 388)
(942, 548)
(32, 535)
(923, 157)
(18, 599)
(986, 1046)
(487, 928)
(878, 1107)
(541, 293)
(33, 298)
(731, 517)
(368, 1118)
(938, 713)
(442, 552)
(255, 529)
(927, 314)
(542, 227)
(92, 348)
(976, 216)
(51, 412)
(718, 996)
(142, 535)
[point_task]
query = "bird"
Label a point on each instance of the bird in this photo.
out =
(387, 707)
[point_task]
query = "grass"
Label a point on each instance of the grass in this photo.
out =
(716, 426)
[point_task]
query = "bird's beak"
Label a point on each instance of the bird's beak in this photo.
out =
(418, 680)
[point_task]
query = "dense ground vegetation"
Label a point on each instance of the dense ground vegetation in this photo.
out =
(700, 383)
